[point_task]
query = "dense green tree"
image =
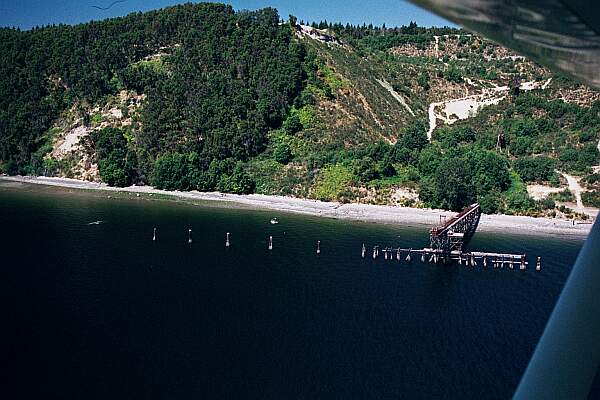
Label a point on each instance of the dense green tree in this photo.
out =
(490, 171)
(413, 137)
(519, 200)
(423, 80)
(490, 202)
(412, 140)
(365, 169)
(535, 169)
(116, 164)
(451, 136)
(429, 160)
(453, 74)
(238, 181)
(292, 124)
(591, 198)
(171, 171)
(387, 169)
(453, 187)
(293, 20)
(579, 160)
(282, 153)
(112, 171)
(459, 177)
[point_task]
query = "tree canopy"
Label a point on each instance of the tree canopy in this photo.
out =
(215, 81)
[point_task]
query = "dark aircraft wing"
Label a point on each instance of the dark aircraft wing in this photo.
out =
(563, 36)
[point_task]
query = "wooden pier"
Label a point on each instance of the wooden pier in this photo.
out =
(448, 243)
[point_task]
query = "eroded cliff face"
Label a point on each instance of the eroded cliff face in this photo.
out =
(73, 142)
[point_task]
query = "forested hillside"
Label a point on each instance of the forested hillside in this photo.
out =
(214, 82)
(199, 97)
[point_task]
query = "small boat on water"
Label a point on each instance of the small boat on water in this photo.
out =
(95, 223)
(274, 221)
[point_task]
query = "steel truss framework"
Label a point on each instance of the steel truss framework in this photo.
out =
(455, 234)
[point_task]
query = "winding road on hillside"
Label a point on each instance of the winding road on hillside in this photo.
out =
(576, 189)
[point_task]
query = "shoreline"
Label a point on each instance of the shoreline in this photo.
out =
(353, 212)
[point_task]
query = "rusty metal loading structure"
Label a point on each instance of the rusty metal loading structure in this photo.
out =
(455, 233)
(448, 242)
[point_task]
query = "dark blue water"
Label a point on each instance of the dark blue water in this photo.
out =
(100, 311)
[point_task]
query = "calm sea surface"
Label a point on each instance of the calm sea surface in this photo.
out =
(100, 311)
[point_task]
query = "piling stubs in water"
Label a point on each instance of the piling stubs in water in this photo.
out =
(470, 259)
(389, 253)
(375, 252)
